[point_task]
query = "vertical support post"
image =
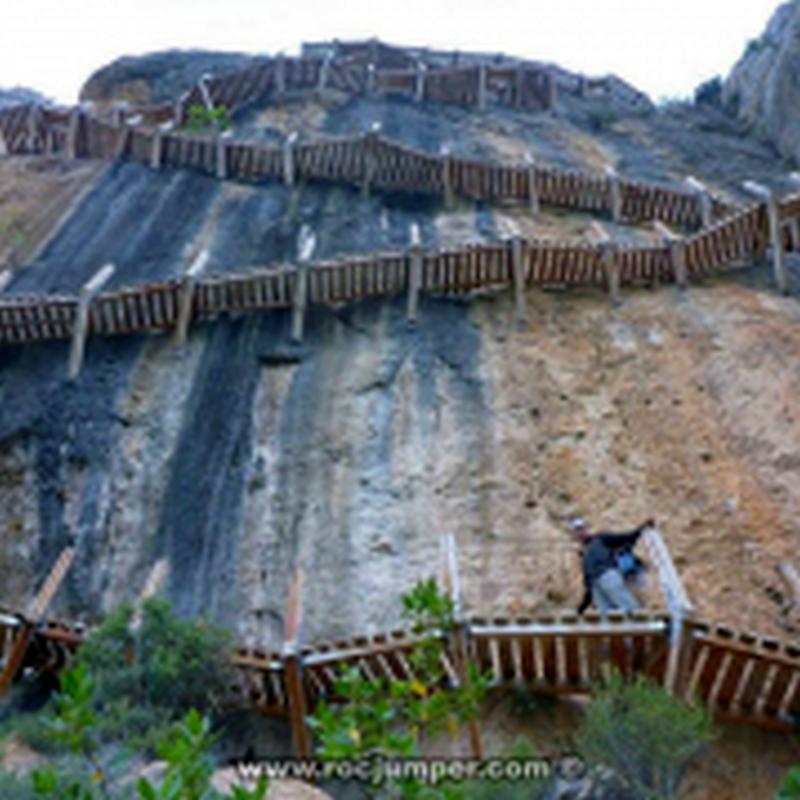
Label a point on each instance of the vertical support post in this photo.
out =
(179, 111)
(205, 93)
(73, 134)
(186, 298)
(533, 193)
(17, 655)
(614, 193)
(33, 122)
(81, 324)
(280, 76)
(372, 81)
(324, 69)
(482, 86)
(293, 669)
(370, 143)
(704, 199)
(157, 151)
(124, 136)
(3, 145)
(459, 639)
(518, 271)
(519, 86)
(299, 301)
(608, 256)
(288, 158)
(419, 88)
(223, 137)
(677, 252)
(794, 234)
(447, 178)
(775, 233)
(414, 274)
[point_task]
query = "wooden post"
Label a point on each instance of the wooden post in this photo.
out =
(202, 85)
(33, 121)
(299, 301)
(775, 234)
(324, 69)
(677, 251)
(293, 669)
(186, 298)
(608, 255)
(614, 192)
(288, 158)
(447, 178)
(518, 274)
(520, 86)
(372, 83)
(223, 137)
(460, 635)
(794, 234)
(414, 273)
(679, 608)
(482, 86)
(179, 111)
(16, 656)
(81, 325)
(704, 199)
(280, 76)
(533, 194)
(3, 145)
(73, 150)
(369, 143)
(419, 88)
(156, 154)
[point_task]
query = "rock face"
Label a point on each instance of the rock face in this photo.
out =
(156, 77)
(764, 87)
(241, 457)
(19, 95)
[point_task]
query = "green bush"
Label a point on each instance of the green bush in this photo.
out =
(13, 787)
(644, 735)
(200, 118)
(790, 788)
(148, 677)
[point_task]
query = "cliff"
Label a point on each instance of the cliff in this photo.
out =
(763, 87)
(243, 456)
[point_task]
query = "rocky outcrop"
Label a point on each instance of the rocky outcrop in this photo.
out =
(20, 95)
(763, 88)
(156, 77)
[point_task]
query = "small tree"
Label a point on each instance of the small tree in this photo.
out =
(790, 788)
(148, 675)
(385, 718)
(200, 118)
(644, 735)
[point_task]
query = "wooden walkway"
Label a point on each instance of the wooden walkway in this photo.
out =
(739, 675)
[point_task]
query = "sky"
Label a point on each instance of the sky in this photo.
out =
(666, 49)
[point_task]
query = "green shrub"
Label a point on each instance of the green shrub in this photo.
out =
(147, 678)
(644, 735)
(13, 787)
(200, 118)
(790, 788)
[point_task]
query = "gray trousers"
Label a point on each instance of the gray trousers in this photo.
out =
(609, 593)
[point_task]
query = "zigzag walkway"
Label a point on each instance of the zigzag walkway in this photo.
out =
(740, 676)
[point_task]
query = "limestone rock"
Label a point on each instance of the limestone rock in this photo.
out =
(763, 88)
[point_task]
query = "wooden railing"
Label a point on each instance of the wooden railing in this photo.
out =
(368, 161)
(738, 675)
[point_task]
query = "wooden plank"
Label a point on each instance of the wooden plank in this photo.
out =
(533, 193)
(41, 602)
(81, 323)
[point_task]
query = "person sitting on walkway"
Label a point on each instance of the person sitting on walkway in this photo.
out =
(608, 560)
